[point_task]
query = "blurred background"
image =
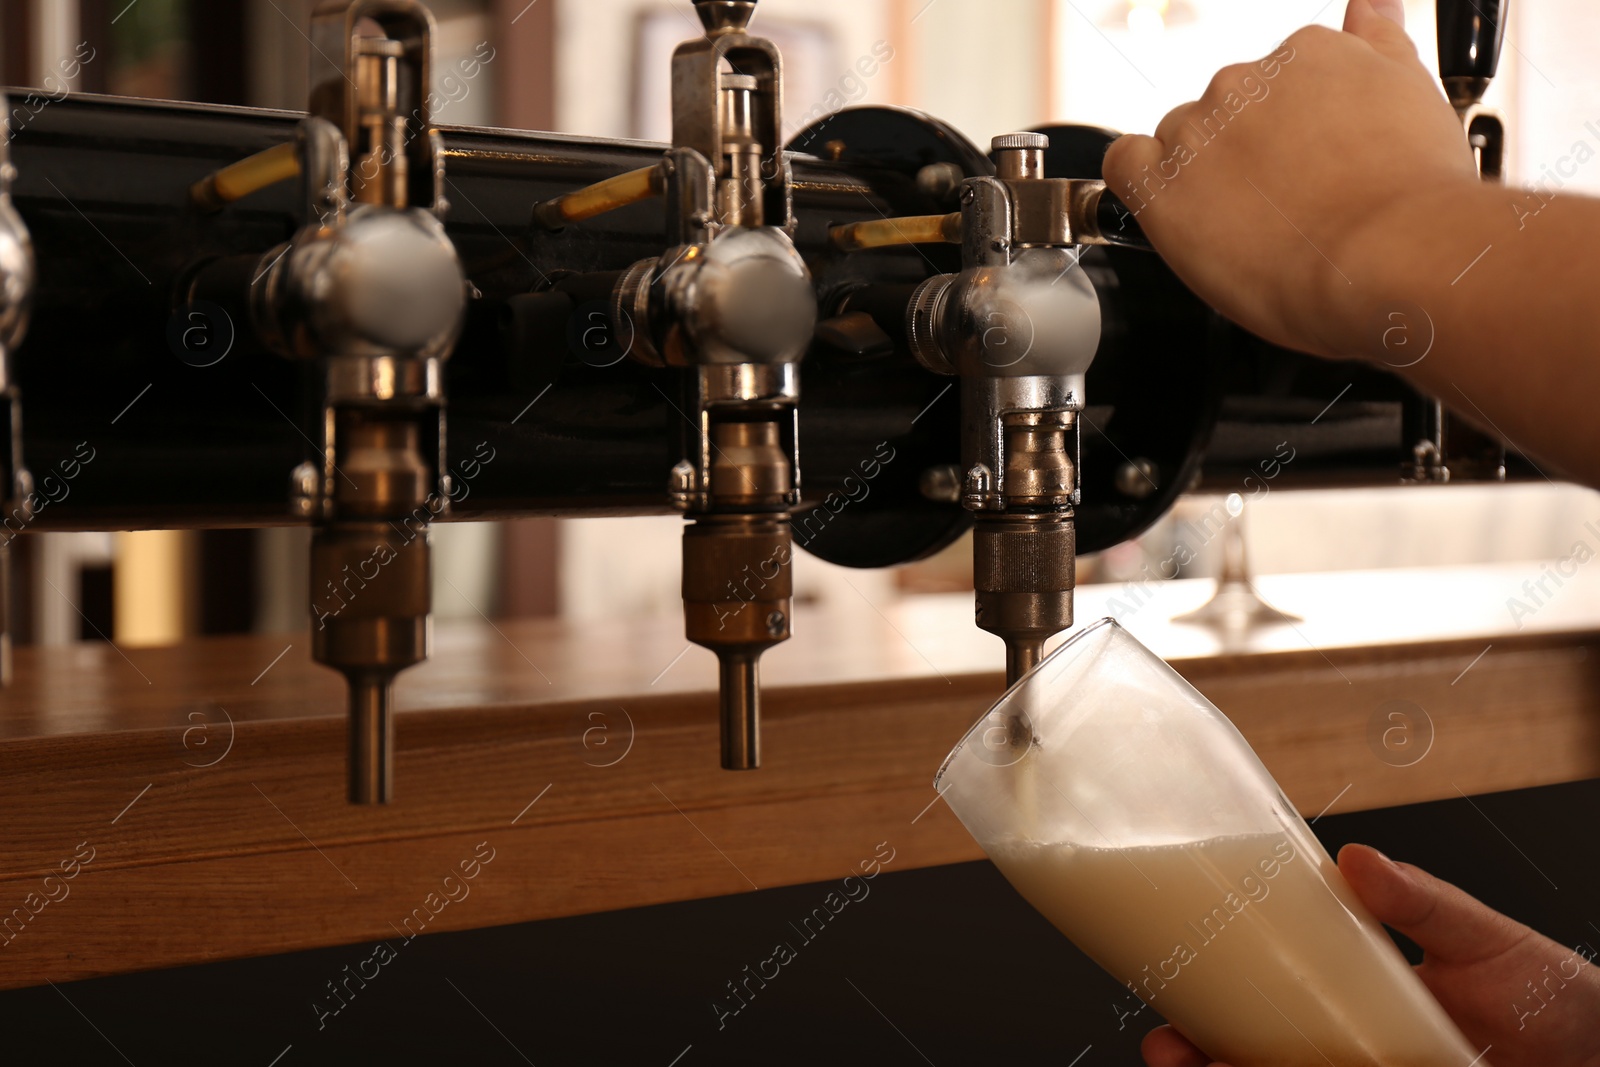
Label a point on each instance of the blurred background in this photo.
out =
(600, 68)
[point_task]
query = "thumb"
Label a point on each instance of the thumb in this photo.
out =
(1382, 24)
(1450, 926)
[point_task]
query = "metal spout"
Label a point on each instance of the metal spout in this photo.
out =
(369, 625)
(1022, 655)
(740, 696)
(371, 739)
(737, 590)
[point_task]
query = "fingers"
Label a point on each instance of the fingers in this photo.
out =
(1165, 1047)
(1393, 10)
(1177, 126)
(1128, 161)
(1449, 925)
(1381, 23)
(1127, 155)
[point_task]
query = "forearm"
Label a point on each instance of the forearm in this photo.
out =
(1506, 287)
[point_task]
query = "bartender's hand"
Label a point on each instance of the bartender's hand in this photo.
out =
(1326, 199)
(1258, 193)
(1477, 963)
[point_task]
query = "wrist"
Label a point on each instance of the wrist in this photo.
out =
(1392, 269)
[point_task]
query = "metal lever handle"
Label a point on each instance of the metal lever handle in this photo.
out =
(1095, 217)
(1115, 224)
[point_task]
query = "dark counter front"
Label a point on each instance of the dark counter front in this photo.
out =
(944, 965)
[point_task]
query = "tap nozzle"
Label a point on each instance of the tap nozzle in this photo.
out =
(740, 702)
(1024, 574)
(1022, 655)
(371, 737)
(370, 603)
(737, 602)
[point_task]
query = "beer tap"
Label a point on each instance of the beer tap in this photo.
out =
(1470, 36)
(370, 292)
(1019, 326)
(16, 287)
(730, 305)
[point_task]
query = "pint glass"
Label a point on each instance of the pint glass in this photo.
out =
(1137, 819)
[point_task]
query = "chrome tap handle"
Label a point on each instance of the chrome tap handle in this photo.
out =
(724, 16)
(1471, 33)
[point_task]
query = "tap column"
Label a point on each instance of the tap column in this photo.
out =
(730, 304)
(370, 291)
(1019, 325)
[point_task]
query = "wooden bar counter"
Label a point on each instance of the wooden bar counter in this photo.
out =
(195, 795)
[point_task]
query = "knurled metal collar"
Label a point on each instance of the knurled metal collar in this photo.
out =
(1011, 141)
(923, 316)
